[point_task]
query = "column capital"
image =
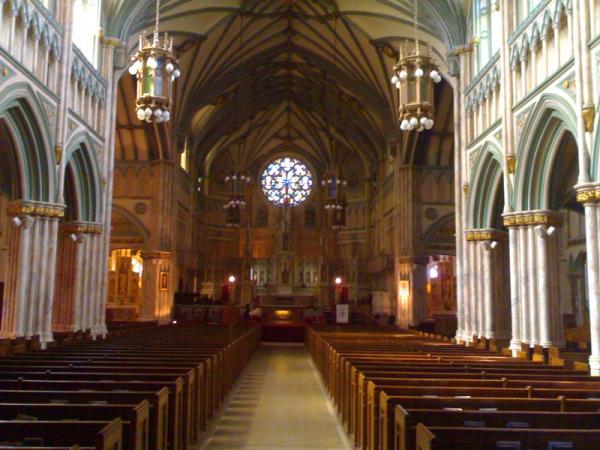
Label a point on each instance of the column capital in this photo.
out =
(149, 255)
(77, 227)
(33, 208)
(485, 234)
(588, 193)
(530, 218)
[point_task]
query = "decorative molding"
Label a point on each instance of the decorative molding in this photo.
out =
(58, 152)
(588, 113)
(589, 195)
(485, 235)
(82, 228)
(511, 163)
(529, 218)
(38, 209)
(110, 41)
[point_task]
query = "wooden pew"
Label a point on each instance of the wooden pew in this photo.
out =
(406, 421)
(463, 438)
(135, 417)
(158, 405)
(101, 435)
(177, 435)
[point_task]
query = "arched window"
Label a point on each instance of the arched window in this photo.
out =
(86, 27)
(487, 23)
(286, 181)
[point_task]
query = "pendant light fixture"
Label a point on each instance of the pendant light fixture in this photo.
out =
(414, 77)
(155, 68)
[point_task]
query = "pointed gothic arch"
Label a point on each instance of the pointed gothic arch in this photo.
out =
(485, 186)
(31, 158)
(539, 150)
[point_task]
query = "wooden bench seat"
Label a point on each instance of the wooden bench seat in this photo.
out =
(135, 417)
(157, 413)
(101, 435)
(406, 421)
(464, 438)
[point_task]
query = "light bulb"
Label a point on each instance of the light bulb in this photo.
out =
(420, 128)
(166, 116)
(429, 124)
(169, 67)
(434, 74)
(413, 121)
(152, 63)
(148, 113)
(141, 114)
(133, 68)
(419, 72)
(423, 121)
(172, 77)
(437, 79)
(158, 113)
(398, 85)
(395, 79)
(176, 73)
(403, 74)
(227, 178)
(404, 125)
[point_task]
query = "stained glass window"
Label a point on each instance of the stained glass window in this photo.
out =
(286, 180)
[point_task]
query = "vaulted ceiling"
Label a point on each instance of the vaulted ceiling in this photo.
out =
(309, 77)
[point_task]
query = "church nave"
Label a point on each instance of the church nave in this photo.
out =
(278, 404)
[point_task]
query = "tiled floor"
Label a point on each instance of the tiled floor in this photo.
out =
(279, 404)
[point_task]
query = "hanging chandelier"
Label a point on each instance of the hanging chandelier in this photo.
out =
(237, 199)
(414, 76)
(335, 199)
(155, 68)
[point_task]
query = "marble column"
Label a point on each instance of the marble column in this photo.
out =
(589, 196)
(30, 281)
(536, 315)
(67, 287)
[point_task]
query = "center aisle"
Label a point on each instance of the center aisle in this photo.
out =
(278, 404)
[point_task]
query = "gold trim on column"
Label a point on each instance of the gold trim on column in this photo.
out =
(529, 218)
(589, 195)
(82, 228)
(485, 235)
(58, 152)
(588, 113)
(39, 209)
(466, 188)
(459, 50)
(511, 163)
(110, 41)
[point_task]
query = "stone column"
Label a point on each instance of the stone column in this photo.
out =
(534, 269)
(589, 196)
(30, 281)
(411, 309)
(67, 285)
(489, 301)
(156, 300)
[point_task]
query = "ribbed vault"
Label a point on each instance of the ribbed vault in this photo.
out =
(304, 76)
